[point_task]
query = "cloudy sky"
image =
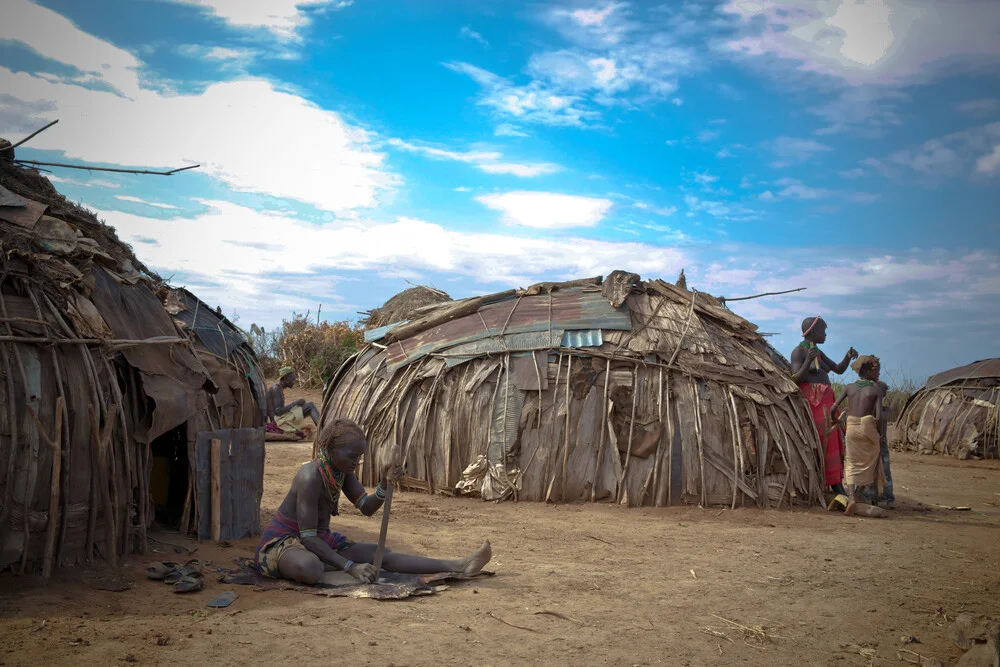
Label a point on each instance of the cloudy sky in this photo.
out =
(348, 149)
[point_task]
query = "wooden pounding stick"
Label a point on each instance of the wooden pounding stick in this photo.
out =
(380, 549)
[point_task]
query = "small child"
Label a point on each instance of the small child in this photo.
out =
(862, 463)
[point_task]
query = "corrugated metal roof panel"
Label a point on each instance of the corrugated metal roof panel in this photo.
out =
(379, 333)
(582, 338)
(566, 309)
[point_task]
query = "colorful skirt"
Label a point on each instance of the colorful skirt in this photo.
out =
(821, 399)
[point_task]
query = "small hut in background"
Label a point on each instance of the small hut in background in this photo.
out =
(114, 387)
(401, 307)
(640, 393)
(956, 412)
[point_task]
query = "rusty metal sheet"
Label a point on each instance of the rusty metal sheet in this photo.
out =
(985, 368)
(526, 370)
(23, 216)
(570, 309)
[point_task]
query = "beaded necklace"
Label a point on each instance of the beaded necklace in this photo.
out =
(333, 479)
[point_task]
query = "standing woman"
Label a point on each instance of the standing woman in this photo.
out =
(810, 370)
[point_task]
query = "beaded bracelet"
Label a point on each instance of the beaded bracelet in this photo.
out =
(348, 565)
(380, 492)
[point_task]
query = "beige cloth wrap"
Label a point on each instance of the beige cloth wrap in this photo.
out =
(294, 420)
(862, 463)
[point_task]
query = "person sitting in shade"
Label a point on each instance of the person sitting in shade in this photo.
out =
(863, 461)
(289, 418)
(811, 371)
(298, 543)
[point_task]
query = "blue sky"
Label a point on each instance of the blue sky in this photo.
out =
(349, 149)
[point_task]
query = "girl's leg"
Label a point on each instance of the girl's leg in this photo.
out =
(411, 564)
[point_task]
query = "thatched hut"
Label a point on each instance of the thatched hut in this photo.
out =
(641, 393)
(400, 307)
(956, 412)
(113, 387)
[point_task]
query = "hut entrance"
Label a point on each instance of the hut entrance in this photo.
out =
(169, 476)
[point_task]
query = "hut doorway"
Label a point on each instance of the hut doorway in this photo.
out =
(169, 476)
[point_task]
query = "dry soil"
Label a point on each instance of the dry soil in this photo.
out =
(679, 586)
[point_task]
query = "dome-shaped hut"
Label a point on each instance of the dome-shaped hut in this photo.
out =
(112, 386)
(956, 412)
(640, 393)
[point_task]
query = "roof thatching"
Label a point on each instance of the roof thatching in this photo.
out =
(403, 306)
(86, 326)
(956, 412)
(636, 392)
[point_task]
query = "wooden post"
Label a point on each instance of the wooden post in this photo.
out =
(53, 522)
(380, 549)
(216, 464)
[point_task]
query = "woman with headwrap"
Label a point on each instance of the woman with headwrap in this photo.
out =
(811, 371)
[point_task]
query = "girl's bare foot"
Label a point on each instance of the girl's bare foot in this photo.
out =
(850, 507)
(475, 562)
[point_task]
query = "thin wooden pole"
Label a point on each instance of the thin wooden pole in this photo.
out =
(216, 481)
(102, 443)
(565, 457)
(604, 431)
(55, 444)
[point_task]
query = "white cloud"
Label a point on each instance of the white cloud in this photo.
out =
(281, 17)
(469, 33)
(791, 150)
(234, 242)
(705, 178)
(487, 161)
(508, 130)
(470, 157)
(857, 172)
(92, 183)
(547, 210)
(522, 170)
(989, 164)
(718, 209)
(137, 200)
(534, 102)
(665, 211)
(53, 36)
(951, 154)
(322, 160)
(867, 109)
(877, 41)
(708, 135)
(463, 188)
(980, 107)
(611, 60)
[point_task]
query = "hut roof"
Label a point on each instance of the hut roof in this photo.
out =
(108, 294)
(726, 347)
(983, 369)
(404, 305)
(505, 393)
(956, 412)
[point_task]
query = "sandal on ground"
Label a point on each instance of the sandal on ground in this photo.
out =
(190, 583)
(190, 568)
(160, 571)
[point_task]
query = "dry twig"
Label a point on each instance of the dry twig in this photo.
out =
(519, 627)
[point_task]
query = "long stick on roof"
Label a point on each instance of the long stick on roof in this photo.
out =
(32, 135)
(757, 296)
(117, 171)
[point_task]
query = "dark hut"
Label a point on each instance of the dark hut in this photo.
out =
(639, 393)
(113, 388)
(956, 412)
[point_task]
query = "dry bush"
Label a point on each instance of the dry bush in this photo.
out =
(315, 351)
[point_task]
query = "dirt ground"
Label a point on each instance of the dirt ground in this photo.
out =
(680, 586)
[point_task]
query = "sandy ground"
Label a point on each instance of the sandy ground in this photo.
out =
(636, 587)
